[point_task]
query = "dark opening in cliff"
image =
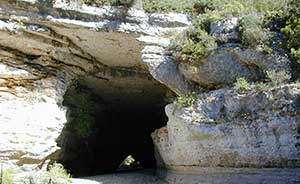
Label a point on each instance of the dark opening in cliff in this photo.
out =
(109, 126)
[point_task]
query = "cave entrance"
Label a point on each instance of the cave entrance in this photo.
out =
(109, 126)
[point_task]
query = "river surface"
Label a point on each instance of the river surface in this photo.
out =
(208, 176)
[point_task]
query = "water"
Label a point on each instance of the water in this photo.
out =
(201, 176)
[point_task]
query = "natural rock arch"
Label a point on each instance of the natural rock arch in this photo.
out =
(106, 125)
(46, 53)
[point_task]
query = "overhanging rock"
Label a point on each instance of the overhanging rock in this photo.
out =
(44, 49)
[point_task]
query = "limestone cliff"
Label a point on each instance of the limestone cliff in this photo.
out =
(227, 129)
(44, 50)
(50, 52)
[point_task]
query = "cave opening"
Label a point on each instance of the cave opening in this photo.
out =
(109, 127)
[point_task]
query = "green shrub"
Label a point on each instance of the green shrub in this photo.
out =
(234, 8)
(204, 23)
(46, 2)
(228, 8)
(278, 77)
(192, 51)
(8, 176)
(251, 31)
(195, 45)
(293, 8)
(222, 7)
(266, 6)
(81, 121)
(182, 6)
(266, 47)
(55, 175)
(187, 100)
(292, 43)
(57, 171)
(295, 54)
(241, 85)
(82, 106)
(275, 20)
(292, 32)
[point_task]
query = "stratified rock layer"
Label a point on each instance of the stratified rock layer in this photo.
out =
(117, 52)
(45, 48)
(31, 116)
(227, 129)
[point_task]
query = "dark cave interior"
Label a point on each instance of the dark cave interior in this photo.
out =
(102, 132)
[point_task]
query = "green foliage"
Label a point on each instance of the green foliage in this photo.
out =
(46, 2)
(292, 32)
(251, 31)
(57, 171)
(293, 8)
(204, 22)
(229, 8)
(8, 176)
(296, 54)
(187, 100)
(150, 6)
(194, 46)
(222, 7)
(83, 107)
(241, 85)
(81, 121)
(182, 6)
(277, 77)
(274, 20)
(196, 43)
(266, 47)
(193, 51)
(292, 42)
(55, 175)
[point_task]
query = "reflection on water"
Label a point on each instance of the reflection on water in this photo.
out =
(199, 176)
(233, 176)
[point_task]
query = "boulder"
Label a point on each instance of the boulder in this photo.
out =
(225, 31)
(163, 68)
(227, 129)
(229, 62)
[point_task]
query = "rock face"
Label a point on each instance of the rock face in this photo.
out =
(163, 68)
(45, 49)
(121, 54)
(231, 61)
(31, 116)
(227, 129)
(225, 31)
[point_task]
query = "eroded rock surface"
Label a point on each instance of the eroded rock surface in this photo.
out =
(225, 30)
(45, 48)
(163, 68)
(32, 116)
(121, 54)
(227, 129)
(230, 62)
